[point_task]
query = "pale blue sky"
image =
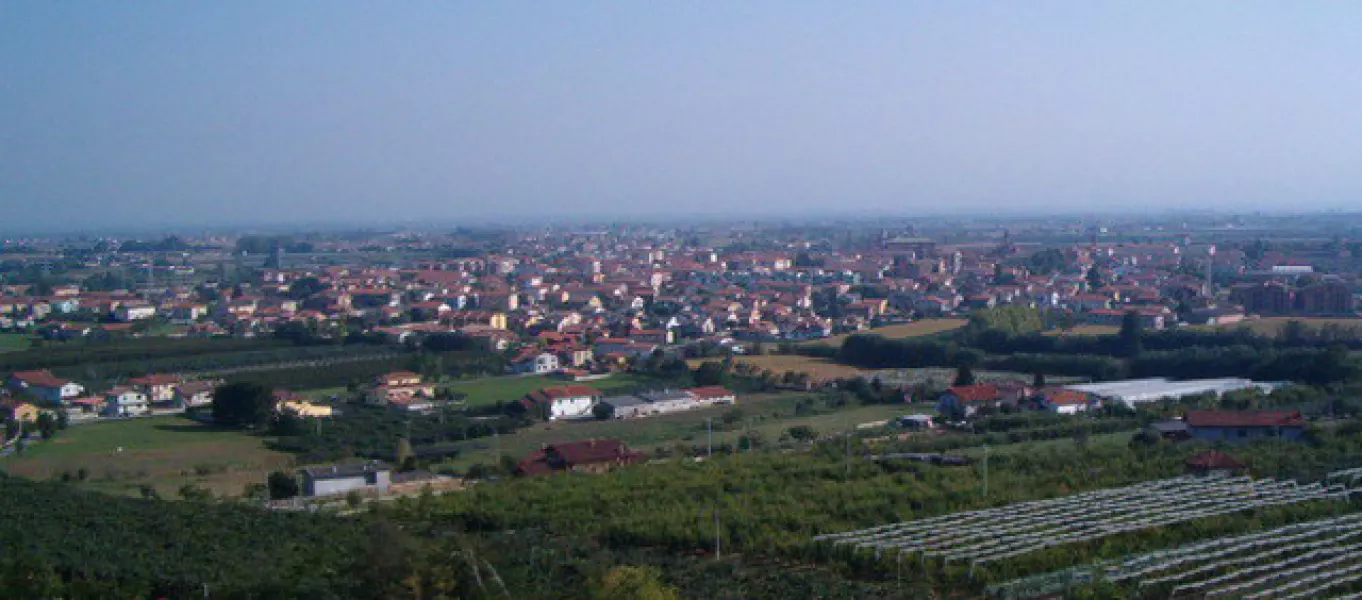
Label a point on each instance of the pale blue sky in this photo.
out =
(147, 113)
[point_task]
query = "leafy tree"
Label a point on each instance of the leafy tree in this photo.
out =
(282, 485)
(194, 493)
(243, 404)
(633, 583)
(603, 411)
(1047, 261)
(732, 416)
(801, 433)
(964, 375)
(306, 287)
(711, 372)
(406, 458)
(1132, 334)
(47, 425)
(1094, 278)
(1294, 333)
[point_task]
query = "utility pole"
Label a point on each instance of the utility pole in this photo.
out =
(709, 436)
(717, 548)
(847, 476)
(985, 470)
(496, 436)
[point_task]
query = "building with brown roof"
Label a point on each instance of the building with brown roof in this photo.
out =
(1245, 426)
(589, 456)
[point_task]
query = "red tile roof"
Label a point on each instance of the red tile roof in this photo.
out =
(1271, 418)
(155, 379)
(976, 393)
(43, 378)
(1065, 397)
(711, 392)
(565, 391)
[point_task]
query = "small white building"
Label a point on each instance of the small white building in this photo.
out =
(134, 312)
(341, 479)
(125, 401)
(564, 402)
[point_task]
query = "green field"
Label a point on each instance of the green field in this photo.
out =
(768, 414)
(14, 341)
(487, 391)
(905, 330)
(164, 452)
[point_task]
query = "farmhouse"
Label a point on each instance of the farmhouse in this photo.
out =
(125, 401)
(44, 385)
(1065, 401)
(402, 389)
(967, 400)
(159, 388)
(590, 456)
(1238, 427)
(563, 402)
(340, 479)
(194, 394)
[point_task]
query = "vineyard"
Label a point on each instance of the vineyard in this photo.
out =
(1304, 560)
(992, 535)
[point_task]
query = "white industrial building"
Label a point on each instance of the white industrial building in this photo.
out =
(1137, 391)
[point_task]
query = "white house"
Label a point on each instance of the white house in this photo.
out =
(563, 402)
(134, 312)
(125, 401)
(43, 384)
(540, 363)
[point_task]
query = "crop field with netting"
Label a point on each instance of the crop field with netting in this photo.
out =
(1311, 559)
(998, 534)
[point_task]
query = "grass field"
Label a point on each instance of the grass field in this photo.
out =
(1086, 330)
(486, 391)
(906, 330)
(769, 414)
(825, 369)
(164, 452)
(818, 368)
(1272, 325)
(1119, 438)
(14, 341)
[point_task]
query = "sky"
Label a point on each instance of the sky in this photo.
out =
(142, 114)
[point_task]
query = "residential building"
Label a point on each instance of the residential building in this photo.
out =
(1247, 426)
(562, 402)
(373, 477)
(587, 456)
(125, 401)
(159, 388)
(44, 386)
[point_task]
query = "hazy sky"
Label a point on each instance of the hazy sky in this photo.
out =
(145, 113)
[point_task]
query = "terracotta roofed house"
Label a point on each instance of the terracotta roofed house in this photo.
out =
(590, 456)
(563, 402)
(44, 385)
(1245, 426)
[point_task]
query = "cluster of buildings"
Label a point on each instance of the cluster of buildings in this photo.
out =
(574, 300)
(581, 402)
(966, 401)
(160, 393)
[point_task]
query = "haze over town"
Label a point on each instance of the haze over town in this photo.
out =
(123, 115)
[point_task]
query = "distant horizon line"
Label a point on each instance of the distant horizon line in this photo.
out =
(248, 227)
